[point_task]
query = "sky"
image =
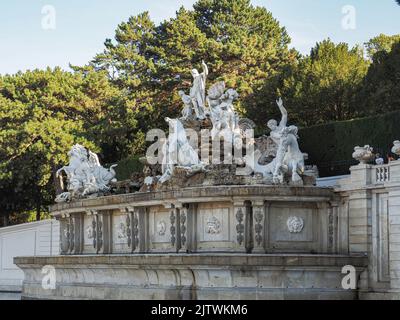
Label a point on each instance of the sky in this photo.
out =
(40, 33)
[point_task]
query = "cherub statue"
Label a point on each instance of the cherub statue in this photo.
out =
(187, 111)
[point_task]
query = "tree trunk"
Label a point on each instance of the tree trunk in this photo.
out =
(38, 212)
(5, 220)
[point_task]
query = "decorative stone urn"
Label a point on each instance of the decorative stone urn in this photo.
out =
(396, 147)
(363, 154)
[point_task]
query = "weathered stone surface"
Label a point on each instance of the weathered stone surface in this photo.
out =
(217, 276)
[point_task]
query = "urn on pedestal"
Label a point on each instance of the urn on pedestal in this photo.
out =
(363, 154)
(396, 147)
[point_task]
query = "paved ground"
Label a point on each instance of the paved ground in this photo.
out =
(10, 296)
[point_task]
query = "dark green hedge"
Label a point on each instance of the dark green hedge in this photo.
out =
(127, 167)
(330, 146)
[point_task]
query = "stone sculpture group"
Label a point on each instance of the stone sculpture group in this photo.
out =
(85, 176)
(218, 105)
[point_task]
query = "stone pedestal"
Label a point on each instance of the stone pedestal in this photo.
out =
(192, 277)
(247, 242)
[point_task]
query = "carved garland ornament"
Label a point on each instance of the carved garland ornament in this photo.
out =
(94, 232)
(258, 227)
(99, 234)
(183, 226)
(173, 228)
(135, 231)
(128, 229)
(240, 226)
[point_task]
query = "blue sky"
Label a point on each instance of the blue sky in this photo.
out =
(82, 26)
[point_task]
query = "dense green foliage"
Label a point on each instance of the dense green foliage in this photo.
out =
(42, 113)
(242, 44)
(381, 44)
(381, 87)
(323, 86)
(333, 154)
(128, 166)
(109, 104)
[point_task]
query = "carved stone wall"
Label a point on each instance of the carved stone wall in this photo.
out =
(192, 277)
(220, 219)
(370, 200)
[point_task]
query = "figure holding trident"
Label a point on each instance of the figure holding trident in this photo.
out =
(198, 91)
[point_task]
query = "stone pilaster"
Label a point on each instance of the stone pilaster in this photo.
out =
(143, 230)
(64, 234)
(183, 228)
(101, 230)
(78, 232)
(240, 218)
(333, 227)
(106, 217)
(343, 227)
(361, 175)
(133, 229)
(258, 211)
(359, 221)
(127, 221)
(191, 224)
(136, 229)
(72, 233)
(394, 238)
(360, 202)
(97, 230)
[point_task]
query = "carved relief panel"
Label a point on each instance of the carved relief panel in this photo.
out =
(214, 224)
(295, 229)
(162, 229)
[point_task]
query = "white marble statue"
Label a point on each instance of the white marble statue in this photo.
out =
(187, 111)
(252, 160)
(223, 116)
(177, 152)
(214, 96)
(84, 174)
(198, 91)
(288, 160)
(396, 147)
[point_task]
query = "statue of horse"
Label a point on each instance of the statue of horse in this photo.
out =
(84, 174)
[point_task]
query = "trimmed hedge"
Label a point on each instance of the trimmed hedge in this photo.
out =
(127, 167)
(330, 146)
